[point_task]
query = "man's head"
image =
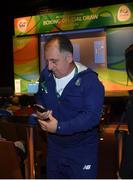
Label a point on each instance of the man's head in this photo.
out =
(129, 61)
(59, 55)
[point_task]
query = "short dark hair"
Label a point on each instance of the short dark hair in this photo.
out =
(64, 42)
(129, 61)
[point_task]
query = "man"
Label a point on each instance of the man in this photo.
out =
(74, 97)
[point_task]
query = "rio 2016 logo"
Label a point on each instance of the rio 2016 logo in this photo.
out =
(124, 13)
(22, 25)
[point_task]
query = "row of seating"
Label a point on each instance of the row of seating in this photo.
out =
(10, 160)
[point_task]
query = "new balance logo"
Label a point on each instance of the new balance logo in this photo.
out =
(87, 167)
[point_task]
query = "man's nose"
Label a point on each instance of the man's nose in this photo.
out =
(50, 66)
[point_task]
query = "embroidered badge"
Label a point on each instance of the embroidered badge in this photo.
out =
(78, 82)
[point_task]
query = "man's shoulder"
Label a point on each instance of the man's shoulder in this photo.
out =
(90, 77)
(88, 73)
(45, 73)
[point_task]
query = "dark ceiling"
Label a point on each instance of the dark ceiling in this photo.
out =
(29, 7)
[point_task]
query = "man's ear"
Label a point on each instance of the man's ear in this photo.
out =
(69, 57)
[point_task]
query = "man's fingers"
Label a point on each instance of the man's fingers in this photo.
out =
(43, 125)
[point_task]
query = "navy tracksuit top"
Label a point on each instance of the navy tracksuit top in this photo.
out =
(78, 108)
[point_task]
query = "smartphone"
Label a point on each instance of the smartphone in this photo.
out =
(40, 108)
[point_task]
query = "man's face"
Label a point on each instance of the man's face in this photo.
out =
(58, 62)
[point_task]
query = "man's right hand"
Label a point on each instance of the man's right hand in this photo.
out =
(43, 116)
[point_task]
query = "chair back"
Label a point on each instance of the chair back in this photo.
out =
(9, 161)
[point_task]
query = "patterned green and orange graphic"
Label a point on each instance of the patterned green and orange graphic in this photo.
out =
(26, 62)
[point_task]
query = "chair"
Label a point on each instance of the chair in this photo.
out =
(15, 129)
(9, 161)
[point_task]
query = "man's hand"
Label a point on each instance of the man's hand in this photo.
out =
(44, 115)
(49, 125)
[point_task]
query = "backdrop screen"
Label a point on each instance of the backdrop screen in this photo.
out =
(103, 52)
(89, 48)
